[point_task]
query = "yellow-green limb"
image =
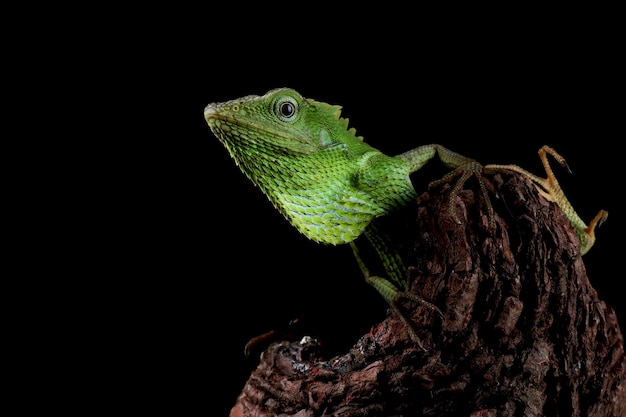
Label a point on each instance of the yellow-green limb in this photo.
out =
(550, 189)
(392, 295)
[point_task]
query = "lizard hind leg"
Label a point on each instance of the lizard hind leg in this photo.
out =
(551, 190)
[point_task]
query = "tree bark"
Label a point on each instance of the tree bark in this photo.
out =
(523, 334)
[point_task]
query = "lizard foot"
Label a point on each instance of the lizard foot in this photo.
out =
(405, 320)
(465, 171)
(550, 189)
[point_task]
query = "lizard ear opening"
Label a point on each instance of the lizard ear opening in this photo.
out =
(325, 139)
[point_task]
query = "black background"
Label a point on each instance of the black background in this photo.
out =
(206, 261)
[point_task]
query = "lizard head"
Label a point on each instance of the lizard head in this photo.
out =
(281, 122)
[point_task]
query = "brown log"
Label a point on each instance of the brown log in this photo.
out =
(524, 333)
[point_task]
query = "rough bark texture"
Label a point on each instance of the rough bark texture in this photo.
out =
(524, 332)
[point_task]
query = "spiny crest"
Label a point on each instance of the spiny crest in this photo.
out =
(334, 112)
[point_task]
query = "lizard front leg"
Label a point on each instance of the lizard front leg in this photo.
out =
(463, 167)
(550, 189)
(393, 288)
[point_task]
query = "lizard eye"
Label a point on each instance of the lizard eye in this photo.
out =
(286, 109)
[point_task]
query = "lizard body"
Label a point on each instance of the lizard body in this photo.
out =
(329, 183)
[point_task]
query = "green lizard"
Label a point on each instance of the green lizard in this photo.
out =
(331, 185)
